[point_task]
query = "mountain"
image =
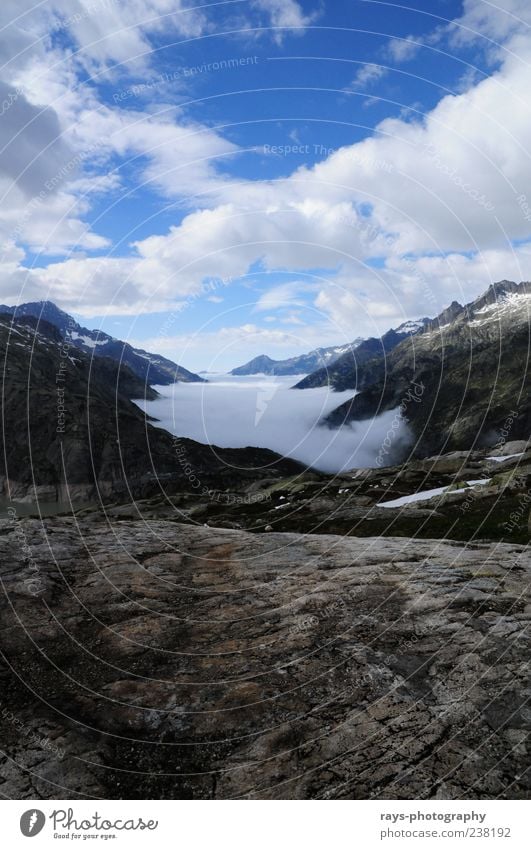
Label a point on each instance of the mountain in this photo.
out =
(497, 296)
(306, 363)
(343, 373)
(151, 368)
(468, 370)
(70, 430)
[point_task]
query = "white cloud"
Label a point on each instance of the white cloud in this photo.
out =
(181, 155)
(367, 75)
(403, 49)
(287, 15)
(294, 319)
(448, 184)
(57, 139)
(405, 288)
(110, 33)
(285, 295)
(230, 346)
(490, 23)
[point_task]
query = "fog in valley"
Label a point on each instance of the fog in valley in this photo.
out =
(264, 412)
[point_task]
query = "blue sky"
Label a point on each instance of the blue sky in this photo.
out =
(215, 181)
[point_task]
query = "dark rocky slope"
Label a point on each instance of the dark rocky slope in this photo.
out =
(346, 371)
(350, 504)
(150, 368)
(70, 431)
(469, 370)
(157, 660)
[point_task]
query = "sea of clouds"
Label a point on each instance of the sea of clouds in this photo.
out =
(264, 412)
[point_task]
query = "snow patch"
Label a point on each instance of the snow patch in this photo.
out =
(87, 340)
(427, 494)
(507, 457)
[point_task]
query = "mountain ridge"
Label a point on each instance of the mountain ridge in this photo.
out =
(302, 364)
(154, 369)
(473, 370)
(343, 373)
(71, 433)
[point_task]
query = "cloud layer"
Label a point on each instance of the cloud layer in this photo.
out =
(264, 413)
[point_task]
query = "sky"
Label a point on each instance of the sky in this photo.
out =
(214, 181)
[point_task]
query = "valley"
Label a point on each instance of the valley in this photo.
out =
(231, 621)
(265, 423)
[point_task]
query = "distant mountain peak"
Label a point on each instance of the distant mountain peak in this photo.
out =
(342, 373)
(499, 291)
(412, 325)
(303, 364)
(495, 301)
(446, 316)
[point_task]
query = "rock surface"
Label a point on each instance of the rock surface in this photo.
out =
(150, 659)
